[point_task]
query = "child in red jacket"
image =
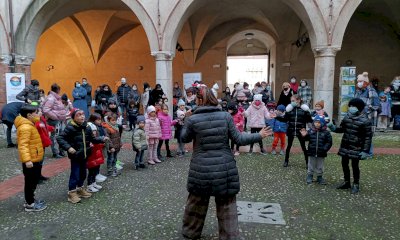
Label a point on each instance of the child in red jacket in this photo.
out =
(238, 119)
(43, 130)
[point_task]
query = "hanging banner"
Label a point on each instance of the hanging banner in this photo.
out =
(15, 83)
(190, 78)
(347, 81)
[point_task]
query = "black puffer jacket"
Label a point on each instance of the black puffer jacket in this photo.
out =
(79, 138)
(297, 119)
(320, 142)
(357, 135)
(29, 93)
(213, 170)
(123, 94)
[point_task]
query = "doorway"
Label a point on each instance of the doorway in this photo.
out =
(250, 69)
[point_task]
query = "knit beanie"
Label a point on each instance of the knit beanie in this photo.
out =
(64, 97)
(320, 119)
(321, 103)
(281, 108)
(181, 103)
(257, 97)
(141, 118)
(74, 112)
(358, 103)
(150, 109)
(363, 77)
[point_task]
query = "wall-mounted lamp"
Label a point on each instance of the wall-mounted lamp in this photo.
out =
(50, 67)
(249, 36)
(140, 68)
(303, 39)
(179, 48)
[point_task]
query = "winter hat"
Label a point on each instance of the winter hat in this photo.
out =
(363, 77)
(320, 119)
(141, 118)
(181, 103)
(281, 108)
(150, 109)
(257, 97)
(74, 111)
(321, 103)
(232, 106)
(358, 103)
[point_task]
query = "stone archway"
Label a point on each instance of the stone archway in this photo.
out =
(40, 15)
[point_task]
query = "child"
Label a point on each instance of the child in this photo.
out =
(139, 144)
(385, 114)
(319, 111)
(96, 157)
(30, 150)
(153, 134)
(238, 119)
(279, 127)
(320, 141)
(132, 111)
(43, 130)
(190, 99)
(180, 114)
(76, 139)
(297, 116)
(166, 133)
(356, 142)
(114, 146)
(256, 115)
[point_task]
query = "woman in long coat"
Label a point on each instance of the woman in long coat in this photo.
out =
(79, 94)
(213, 170)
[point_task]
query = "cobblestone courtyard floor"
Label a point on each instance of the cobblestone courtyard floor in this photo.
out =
(149, 204)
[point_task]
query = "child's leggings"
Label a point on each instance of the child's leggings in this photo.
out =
(153, 149)
(302, 144)
(279, 136)
(160, 143)
(256, 130)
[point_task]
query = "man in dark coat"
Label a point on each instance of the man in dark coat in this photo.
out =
(213, 170)
(8, 114)
(88, 88)
(30, 93)
(123, 98)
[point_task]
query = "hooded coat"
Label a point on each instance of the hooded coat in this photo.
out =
(213, 170)
(256, 115)
(320, 141)
(29, 92)
(30, 146)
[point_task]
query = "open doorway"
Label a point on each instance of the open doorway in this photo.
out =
(250, 69)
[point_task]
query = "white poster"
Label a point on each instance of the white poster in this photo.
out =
(15, 83)
(190, 78)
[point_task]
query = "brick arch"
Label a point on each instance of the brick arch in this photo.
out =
(41, 15)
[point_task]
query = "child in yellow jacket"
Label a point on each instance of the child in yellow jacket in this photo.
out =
(30, 150)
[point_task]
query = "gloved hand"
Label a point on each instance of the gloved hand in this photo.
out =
(331, 126)
(363, 155)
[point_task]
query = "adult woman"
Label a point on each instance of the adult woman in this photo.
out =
(134, 95)
(156, 94)
(79, 94)
(213, 169)
(286, 94)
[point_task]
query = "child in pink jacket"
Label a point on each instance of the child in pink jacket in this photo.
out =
(256, 115)
(166, 133)
(238, 119)
(153, 134)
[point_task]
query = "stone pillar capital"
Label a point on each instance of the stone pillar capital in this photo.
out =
(23, 60)
(5, 59)
(163, 55)
(325, 51)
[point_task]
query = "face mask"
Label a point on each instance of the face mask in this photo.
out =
(294, 104)
(257, 103)
(269, 88)
(78, 85)
(360, 84)
(123, 82)
(303, 84)
(84, 83)
(134, 88)
(353, 110)
(293, 80)
(286, 89)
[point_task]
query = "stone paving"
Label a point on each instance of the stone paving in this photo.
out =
(149, 204)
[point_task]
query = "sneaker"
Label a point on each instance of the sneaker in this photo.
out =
(119, 167)
(36, 201)
(263, 152)
(186, 151)
(178, 154)
(236, 153)
(151, 162)
(321, 180)
(57, 156)
(92, 189)
(12, 145)
(282, 153)
(100, 178)
(309, 178)
(250, 151)
(355, 189)
(97, 186)
(114, 174)
(35, 207)
(120, 163)
(285, 163)
(273, 152)
(157, 160)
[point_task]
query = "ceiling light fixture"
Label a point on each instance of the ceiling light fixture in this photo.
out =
(249, 36)
(250, 45)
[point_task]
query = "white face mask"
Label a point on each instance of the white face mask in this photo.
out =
(360, 84)
(293, 80)
(303, 84)
(134, 88)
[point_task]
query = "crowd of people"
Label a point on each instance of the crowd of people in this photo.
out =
(88, 130)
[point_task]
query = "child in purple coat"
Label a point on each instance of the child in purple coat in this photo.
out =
(166, 132)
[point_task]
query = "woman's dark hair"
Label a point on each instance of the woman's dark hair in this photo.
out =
(236, 83)
(145, 85)
(94, 116)
(55, 88)
(64, 97)
(41, 91)
(206, 97)
(245, 84)
(27, 109)
(104, 86)
(158, 86)
(34, 82)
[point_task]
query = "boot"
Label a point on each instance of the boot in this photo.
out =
(169, 154)
(321, 180)
(83, 193)
(73, 196)
(309, 178)
(285, 163)
(356, 188)
(156, 158)
(344, 185)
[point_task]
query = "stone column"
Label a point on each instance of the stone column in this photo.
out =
(324, 76)
(164, 74)
(4, 68)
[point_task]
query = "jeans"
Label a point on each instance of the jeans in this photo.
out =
(112, 161)
(139, 157)
(302, 144)
(54, 148)
(31, 180)
(346, 169)
(92, 175)
(78, 174)
(316, 165)
(256, 130)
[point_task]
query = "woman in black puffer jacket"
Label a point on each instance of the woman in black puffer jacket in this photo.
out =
(297, 116)
(213, 170)
(356, 142)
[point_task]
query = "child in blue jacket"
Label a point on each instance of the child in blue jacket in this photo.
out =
(279, 129)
